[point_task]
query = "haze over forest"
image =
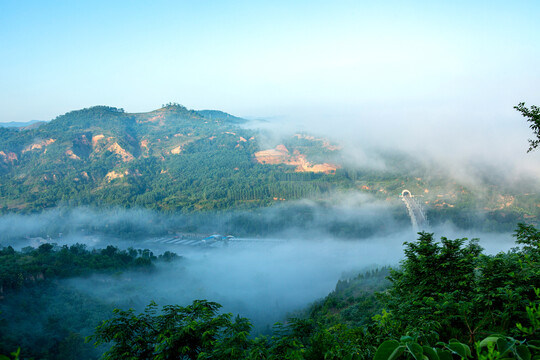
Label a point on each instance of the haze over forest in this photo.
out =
(317, 165)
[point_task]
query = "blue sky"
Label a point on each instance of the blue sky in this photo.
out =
(425, 64)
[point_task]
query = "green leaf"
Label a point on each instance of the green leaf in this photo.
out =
(522, 352)
(459, 349)
(444, 355)
(489, 339)
(534, 344)
(389, 350)
(430, 353)
(406, 338)
(416, 350)
(397, 353)
(386, 349)
(504, 345)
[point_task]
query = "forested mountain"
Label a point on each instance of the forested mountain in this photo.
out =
(170, 159)
(447, 299)
(179, 160)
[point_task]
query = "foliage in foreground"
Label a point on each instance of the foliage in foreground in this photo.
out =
(177, 332)
(532, 115)
(448, 300)
(493, 347)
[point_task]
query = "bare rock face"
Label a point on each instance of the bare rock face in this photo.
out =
(281, 155)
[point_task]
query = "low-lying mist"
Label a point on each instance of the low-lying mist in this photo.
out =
(473, 145)
(262, 281)
(351, 216)
(265, 279)
(348, 215)
(286, 257)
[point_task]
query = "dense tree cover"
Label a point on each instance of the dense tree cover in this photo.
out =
(47, 318)
(353, 302)
(198, 331)
(177, 332)
(454, 289)
(447, 300)
(212, 168)
(20, 268)
(177, 160)
(50, 321)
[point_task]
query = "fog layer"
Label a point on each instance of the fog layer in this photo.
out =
(296, 259)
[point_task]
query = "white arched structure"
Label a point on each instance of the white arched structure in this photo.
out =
(414, 208)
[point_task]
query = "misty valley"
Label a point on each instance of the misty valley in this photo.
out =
(184, 234)
(269, 180)
(64, 272)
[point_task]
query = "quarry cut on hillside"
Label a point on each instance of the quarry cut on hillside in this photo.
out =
(281, 155)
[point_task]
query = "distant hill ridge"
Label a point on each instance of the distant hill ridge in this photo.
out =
(23, 125)
(220, 115)
(210, 114)
(171, 158)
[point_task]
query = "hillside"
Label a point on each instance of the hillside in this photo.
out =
(171, 159)
(177, 160)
